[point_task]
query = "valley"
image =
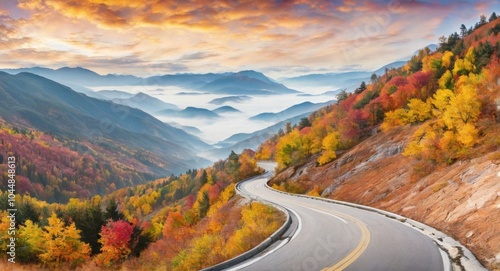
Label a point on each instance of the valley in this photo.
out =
(249, 136)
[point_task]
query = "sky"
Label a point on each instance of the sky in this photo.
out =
(280, 38)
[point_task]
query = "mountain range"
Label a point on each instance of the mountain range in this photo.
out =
(242, 141)
(145, 103)
(79, 76)
(344, 80)
(243, 82)
(230, 99)
(31, 101)
(290, 112)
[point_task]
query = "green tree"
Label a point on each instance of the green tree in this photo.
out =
(31, 242)
(28, 211)
(493, 17)
(204, 204)
(361, 88)
(304, 122)
(139, 241)
(288, 127)
(233, 164)
(112, 211)
(463, 30)
(342, 95)
(204, 177)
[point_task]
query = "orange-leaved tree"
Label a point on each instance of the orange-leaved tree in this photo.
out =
(115, 237)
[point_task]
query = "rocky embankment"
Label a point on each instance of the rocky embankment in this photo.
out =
(462, 199)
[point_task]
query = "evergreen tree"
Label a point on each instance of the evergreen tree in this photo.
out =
(178, 194)
(304, 122)
(27, 211)
(493, 17)
(233, 164)
(204, 177)
(482, 21)
(139, 241)
(90, 221)
(342, 96)
(463, 30)
(112, 211)
(361, 88)
(288, 127)
(204, 204)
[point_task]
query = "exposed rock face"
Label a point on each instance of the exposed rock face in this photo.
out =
(462, 200)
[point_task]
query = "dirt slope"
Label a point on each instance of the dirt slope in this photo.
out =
(462, 199)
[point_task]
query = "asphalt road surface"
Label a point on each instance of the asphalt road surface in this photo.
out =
(328, 236)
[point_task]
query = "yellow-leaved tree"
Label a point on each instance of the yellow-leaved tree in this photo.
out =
(330, 144)
(292, 148)
(62, 244)
(466, 65)
(418, 111)
(453, 132)
(32, 237)
(463, 108)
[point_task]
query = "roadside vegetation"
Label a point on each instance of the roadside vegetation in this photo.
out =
(183, 222)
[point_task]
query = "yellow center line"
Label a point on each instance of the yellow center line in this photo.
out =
(358, 250)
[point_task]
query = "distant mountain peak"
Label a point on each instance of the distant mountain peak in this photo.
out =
(226, 109)
(257, 75)
(77, 69)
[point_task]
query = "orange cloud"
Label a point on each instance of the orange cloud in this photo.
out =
(228, 35)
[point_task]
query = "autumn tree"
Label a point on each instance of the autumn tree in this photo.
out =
(176, 231)
(115, 237)
(463, 108)
(62, 244)
(232, 165)
(330, 145)
(466, 65)
(248, 166)
(418, 111)
(292, 148)
(453, 131)
(342, 95)
(31, 242)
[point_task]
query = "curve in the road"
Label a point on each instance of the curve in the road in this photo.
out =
(335, 237)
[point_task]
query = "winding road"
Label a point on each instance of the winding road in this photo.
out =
(328, 236)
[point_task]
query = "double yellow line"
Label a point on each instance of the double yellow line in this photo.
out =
(358, 250)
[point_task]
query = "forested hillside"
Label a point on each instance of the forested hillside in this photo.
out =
(185, 222)
(422, 141)
(31, 102)
(48, 169)
(453, 90)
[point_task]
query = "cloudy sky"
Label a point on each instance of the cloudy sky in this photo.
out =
(279, 38)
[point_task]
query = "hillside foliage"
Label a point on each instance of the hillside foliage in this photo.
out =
(178, 215)
(50, 169)
(451, 92)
